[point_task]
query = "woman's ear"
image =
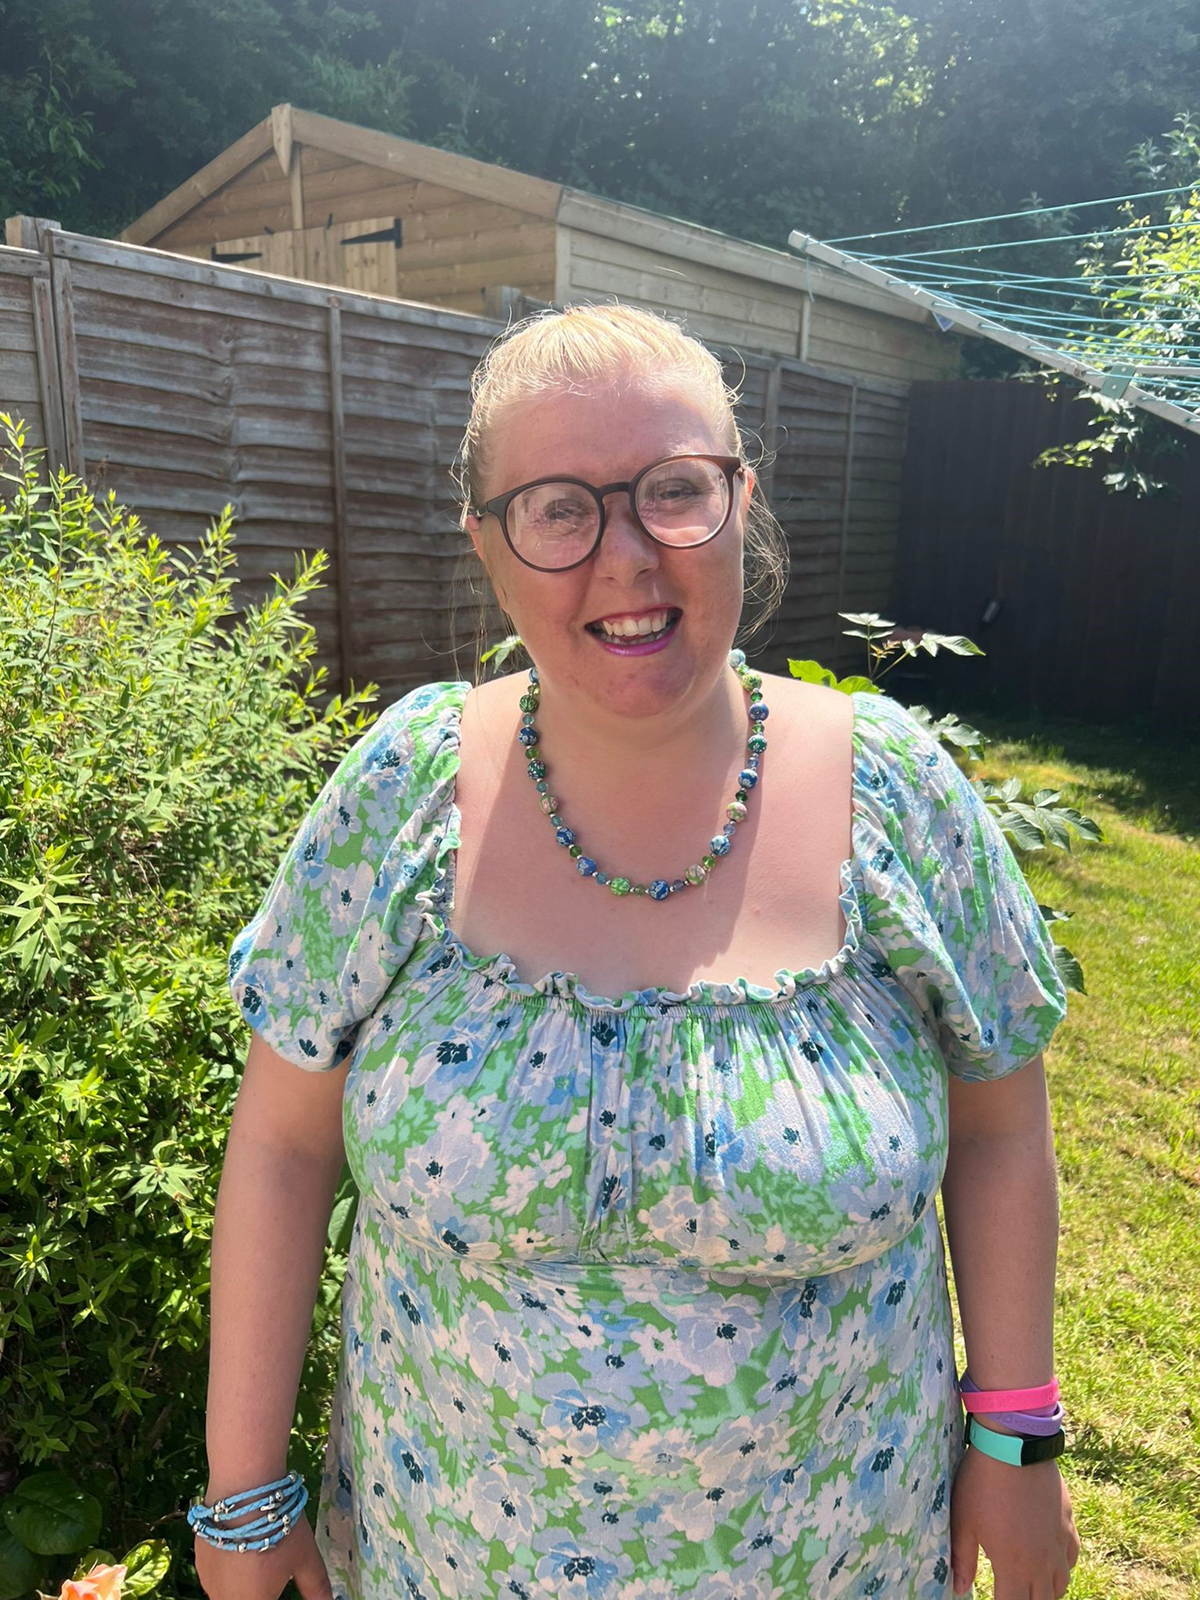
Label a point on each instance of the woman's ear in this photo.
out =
(474, 526)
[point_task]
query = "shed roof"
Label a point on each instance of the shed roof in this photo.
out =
(288, 125)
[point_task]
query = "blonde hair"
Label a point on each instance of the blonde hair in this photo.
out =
(571, 351)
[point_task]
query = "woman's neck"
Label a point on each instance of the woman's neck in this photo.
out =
(613, 753)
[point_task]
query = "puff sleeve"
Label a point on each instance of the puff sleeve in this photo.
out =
(343, 911)
(947, 904)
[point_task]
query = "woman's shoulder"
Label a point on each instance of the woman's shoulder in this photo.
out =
(415, 721)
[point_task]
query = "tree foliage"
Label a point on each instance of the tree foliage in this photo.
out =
(1148, 281)
(838, 115)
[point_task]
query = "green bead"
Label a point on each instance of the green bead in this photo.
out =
(736, 811)
(708, 862)
(528, 702)
(536, 769)
(619, 885)
(753, 682)
(756, 743)
(532, 753)
(758, 727)
(575, 850)
(696, 874)
(639, 888)
(742, 796)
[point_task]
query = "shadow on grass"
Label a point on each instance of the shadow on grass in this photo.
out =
(1145, 774)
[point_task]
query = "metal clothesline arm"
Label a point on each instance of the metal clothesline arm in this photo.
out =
(949, 311)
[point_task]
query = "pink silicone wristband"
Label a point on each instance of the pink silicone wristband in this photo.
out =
(1009, 1399)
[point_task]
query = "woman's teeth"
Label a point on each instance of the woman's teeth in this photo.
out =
(633, 627)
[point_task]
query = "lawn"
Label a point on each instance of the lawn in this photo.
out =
(1124, 1076)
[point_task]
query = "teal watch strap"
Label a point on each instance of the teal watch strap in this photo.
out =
(1019, 1450)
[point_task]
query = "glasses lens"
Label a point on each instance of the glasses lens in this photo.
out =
(683, 502)
(554, 524)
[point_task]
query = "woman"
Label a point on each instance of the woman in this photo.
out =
(647, 1294)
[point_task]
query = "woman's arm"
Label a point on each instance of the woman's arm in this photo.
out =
(1000, 1202)
(282, 1162)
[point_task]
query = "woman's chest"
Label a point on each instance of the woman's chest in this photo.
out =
(771, 904)
(790, 1138)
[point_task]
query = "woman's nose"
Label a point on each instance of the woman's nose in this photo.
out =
(625, 547)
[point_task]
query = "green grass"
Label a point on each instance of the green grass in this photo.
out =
(1124, 1077)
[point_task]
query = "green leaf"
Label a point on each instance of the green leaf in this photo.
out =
(20, 1569)
(148, 1563)
(53, 1515)
(812, 672)
(95, 1557)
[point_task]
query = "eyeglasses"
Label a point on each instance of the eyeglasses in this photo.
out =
(554, 524)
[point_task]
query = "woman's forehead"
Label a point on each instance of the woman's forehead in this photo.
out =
(608, 432)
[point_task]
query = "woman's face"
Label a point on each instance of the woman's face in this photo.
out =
(604, 437)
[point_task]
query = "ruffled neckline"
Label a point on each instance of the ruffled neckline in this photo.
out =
(437, 902)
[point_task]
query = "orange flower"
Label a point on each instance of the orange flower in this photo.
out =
(101, 1583)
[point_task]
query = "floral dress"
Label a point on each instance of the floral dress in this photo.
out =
(647, 1294)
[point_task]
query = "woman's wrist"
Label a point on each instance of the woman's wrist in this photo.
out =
(224, 1482)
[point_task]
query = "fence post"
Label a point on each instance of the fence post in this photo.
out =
(770, 427)
(25, 233)
(67, 359)
(29, 233)
(337, 419)
(49, 387)
(847, 488)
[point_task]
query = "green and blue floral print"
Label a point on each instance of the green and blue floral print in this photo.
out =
(647, 1294)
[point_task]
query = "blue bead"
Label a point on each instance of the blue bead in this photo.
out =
(758, 712)
(679, 885)
(585, 865)
(527, 735)
(601, 877)
(565, 835)
(533, 675)
(747, 778)
(719, 844)
(737, 658)
(729, 829)
(542, 786)
(659, 889)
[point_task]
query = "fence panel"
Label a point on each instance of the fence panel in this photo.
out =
(331, 419)
(1097, 591)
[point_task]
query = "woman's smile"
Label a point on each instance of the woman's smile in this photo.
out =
(636, 633)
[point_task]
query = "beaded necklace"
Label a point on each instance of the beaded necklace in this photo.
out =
(719, 844)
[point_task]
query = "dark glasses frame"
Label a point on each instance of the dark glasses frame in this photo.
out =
(498, 506)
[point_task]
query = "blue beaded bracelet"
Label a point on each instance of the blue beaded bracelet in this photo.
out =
(283, 1499)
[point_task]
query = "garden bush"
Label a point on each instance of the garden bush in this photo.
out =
(155, 758)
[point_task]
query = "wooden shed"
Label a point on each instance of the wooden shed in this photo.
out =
(310, 197)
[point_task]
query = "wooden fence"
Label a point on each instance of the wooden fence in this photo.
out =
(1091, 597)
(332, 419)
